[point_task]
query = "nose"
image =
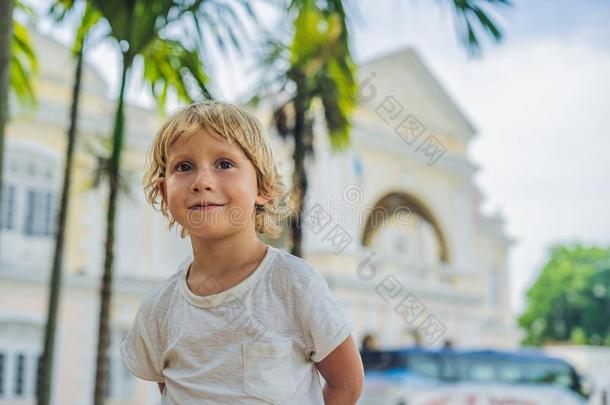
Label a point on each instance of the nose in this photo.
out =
(204, 180)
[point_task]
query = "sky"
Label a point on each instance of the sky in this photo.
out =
(539, 102)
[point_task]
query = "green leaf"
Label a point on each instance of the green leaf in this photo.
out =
(24, 65)
(469, 14)
(569, 300)
(169, 65)
(90, 18)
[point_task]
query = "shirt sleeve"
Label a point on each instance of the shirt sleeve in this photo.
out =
(325, 326)
(141, 349)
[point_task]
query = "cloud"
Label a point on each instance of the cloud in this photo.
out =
(541, 108)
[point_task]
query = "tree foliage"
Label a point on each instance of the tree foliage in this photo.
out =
(570, 300)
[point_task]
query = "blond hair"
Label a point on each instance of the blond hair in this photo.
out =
(232, 124)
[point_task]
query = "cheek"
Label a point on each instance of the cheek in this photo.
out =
(174, 192)
(242, 189)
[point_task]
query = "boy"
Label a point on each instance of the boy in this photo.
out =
(243, 322)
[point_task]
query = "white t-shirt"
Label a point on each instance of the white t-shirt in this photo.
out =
(253, 343)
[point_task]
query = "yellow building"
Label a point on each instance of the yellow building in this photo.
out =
(394, 224)
(403, 201)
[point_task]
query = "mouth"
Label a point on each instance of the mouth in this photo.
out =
(206, 206)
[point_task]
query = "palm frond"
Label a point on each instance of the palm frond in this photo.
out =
(168, 65)
(100, 148)
(470, 15)
(24, 65)
(134, 23)
(315, 66)
(60, 9)
(90, 18)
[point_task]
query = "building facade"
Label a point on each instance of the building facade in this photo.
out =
(394, 224)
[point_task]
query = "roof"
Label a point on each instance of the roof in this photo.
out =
(399, 65)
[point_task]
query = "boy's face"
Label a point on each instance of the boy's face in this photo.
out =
(202, 169)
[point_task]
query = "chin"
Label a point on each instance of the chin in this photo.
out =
(208, 233)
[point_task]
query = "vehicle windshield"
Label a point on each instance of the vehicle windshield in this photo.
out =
(383, 361)
(481, 368)
(516, 371)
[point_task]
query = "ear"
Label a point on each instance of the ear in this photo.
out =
(262, 199)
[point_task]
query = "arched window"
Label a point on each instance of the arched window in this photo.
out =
(20, 354)
(27, 217)
(414, 242)
(28, 193)
(405, 233)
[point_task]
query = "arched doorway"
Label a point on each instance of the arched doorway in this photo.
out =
(402, 227)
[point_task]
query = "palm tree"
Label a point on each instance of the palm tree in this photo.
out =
(17, 65)
(60, 228)
(140, 27)
(89, 18)
(6, 35)
(322, 72)
(317, 66)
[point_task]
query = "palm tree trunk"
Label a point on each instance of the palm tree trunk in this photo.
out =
(6, 36)
(299, 177)
(44, 389)
(103, 343)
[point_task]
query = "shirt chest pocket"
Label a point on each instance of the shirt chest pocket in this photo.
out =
(268, 373)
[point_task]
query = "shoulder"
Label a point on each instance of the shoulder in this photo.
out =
(156, 301)
(292, 272)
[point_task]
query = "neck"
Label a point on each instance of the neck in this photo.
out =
(222, 257)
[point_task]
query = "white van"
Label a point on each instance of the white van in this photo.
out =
(416, 376)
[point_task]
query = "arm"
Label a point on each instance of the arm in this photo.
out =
(161, 387)
(142, 346)
(342, 369)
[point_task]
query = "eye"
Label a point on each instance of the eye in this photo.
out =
(226, 162)
(183, 167)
